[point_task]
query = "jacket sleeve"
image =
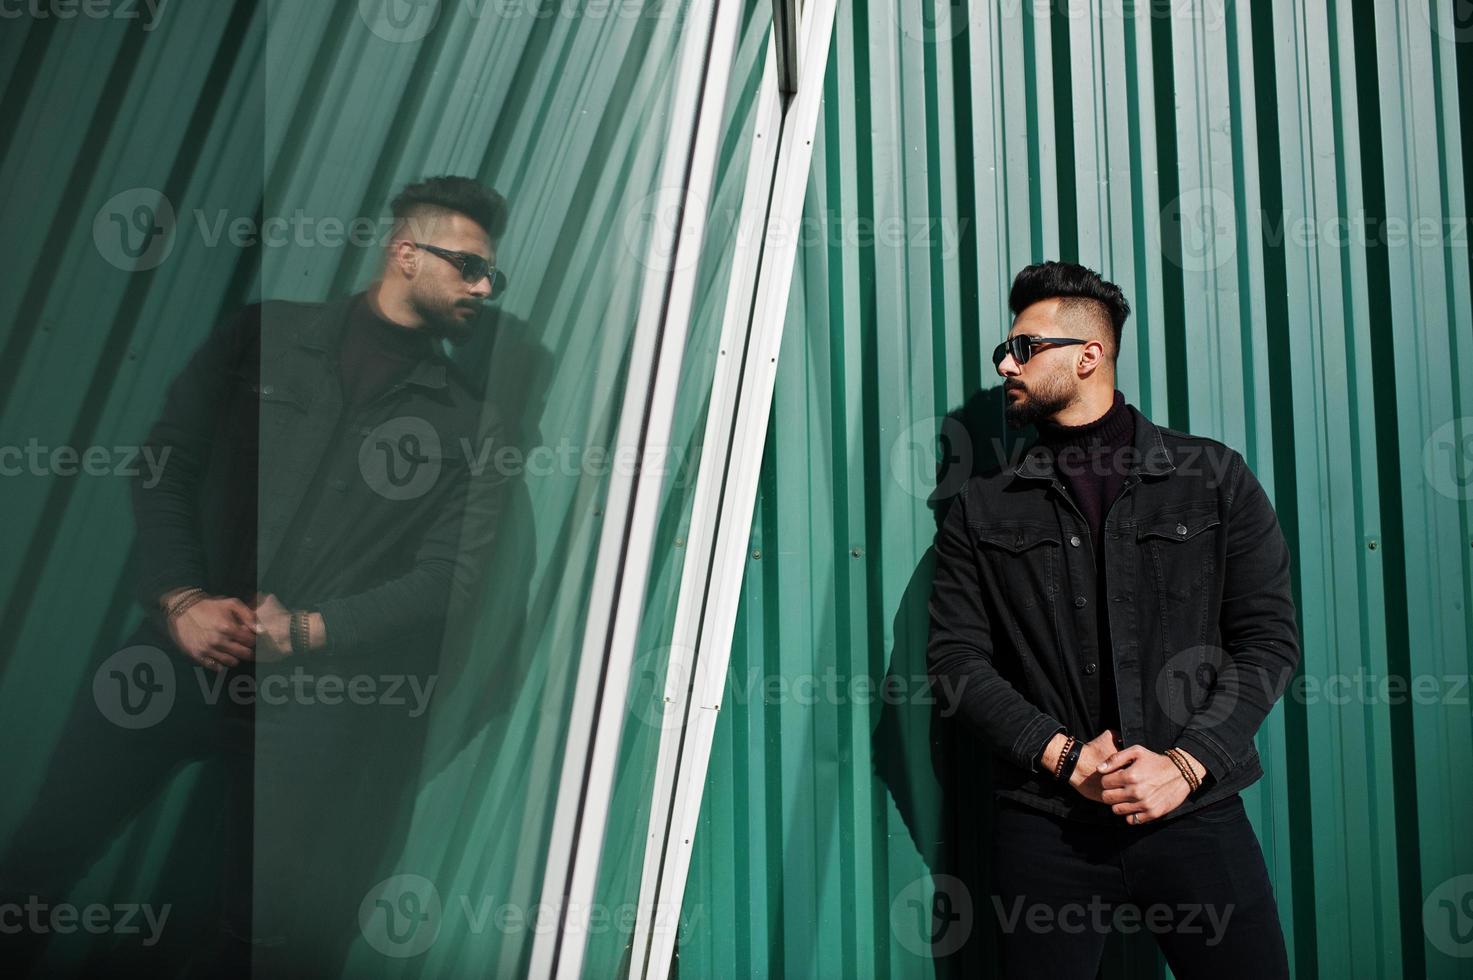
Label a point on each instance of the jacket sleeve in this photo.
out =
(170, 553)
(960, 653)
(1259, 630)
(417, 606)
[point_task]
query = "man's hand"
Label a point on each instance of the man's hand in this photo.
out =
(1085, 778)
(1142, 785)
(275, 642)
(216, 633)
(1095, 751)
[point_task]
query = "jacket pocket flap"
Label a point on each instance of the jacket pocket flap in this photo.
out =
(1178, 527)
(1015, 537)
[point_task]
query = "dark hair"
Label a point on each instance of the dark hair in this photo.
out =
(1068, 281)
(462, 195)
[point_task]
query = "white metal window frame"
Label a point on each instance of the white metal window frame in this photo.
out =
(621, 570)
(731, 459)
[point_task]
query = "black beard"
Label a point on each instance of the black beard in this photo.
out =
(1030, 409)
(456, 331)
(450, 328)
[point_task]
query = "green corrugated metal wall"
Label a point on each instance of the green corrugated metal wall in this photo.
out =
(1217, 160)
(957, 144)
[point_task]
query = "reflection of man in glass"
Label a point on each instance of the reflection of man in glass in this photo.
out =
(327, 507)
(439, 270)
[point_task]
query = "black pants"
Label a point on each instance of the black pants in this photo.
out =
(1196, 883)
(298, 803)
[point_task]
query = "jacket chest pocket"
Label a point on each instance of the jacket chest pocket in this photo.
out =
(259, 407)
(1023, 560)
(1180, 548)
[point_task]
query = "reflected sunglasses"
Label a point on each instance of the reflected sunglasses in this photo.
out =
(473, 268)
(1021, 347)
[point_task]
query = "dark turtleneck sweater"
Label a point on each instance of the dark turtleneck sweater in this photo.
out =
(1089, 458)
(375, 353)
(1090, 462)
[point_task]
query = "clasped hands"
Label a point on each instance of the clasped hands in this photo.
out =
(1138, 784)
(218, 632)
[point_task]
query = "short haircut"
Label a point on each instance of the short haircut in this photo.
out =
(1083, 291)
(435, 196)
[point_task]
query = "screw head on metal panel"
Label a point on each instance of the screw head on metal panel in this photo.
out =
(756, 552)
(857, 552)
(1373, 544)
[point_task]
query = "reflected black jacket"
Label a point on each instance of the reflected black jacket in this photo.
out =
(380, 520)
(1201, 613)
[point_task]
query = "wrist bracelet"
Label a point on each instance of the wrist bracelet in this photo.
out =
(182, 602)
(1064, 756)
(1184, 767)
(301, 633)
(1071, 760)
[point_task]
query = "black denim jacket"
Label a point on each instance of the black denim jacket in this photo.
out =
(1201, 613)
(380, 520)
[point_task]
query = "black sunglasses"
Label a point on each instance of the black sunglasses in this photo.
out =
(1021, 347)
(473, 268)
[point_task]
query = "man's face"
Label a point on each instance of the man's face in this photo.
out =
(1045, 385)
(438, 290)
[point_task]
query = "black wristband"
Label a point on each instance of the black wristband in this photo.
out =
(1071, 760)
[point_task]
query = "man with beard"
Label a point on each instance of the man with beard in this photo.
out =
(1115, 615)
(326, 511)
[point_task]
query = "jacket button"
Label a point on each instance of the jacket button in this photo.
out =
(1089, 668)
(1074, 540)
(1079, 601)
(1181, 529)
(267, 389)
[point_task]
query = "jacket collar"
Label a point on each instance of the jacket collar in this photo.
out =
(323, 332)
(1151, 457)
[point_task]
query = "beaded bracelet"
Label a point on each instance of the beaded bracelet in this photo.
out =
(1063, 756)
(1175, 755)
(300, 633)
(1071, 760)
(182, 602)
